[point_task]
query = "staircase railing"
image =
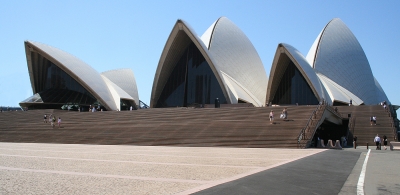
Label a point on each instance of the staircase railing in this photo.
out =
(308, 131)
(142, 105)
(392, 123)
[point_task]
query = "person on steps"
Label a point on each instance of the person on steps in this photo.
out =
(284, 112)
(59, 122)
(271, 117)
(53, 120)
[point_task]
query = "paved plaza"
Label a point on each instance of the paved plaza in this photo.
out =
(35, 168)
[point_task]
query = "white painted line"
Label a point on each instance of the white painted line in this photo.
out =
(360, 184)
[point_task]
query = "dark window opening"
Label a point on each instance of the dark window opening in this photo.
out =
(192, 82)
(56, 88)
(293, 88)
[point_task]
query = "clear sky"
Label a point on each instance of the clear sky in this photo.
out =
(131, 34)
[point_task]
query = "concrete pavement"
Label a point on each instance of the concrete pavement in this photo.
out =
(34, 168)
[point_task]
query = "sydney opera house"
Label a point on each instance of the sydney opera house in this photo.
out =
(335, 69)
(223, 64)
(60, 80)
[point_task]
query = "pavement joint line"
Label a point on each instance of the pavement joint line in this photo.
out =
(104, 175)
(360, 184)
(226, 180)
(132, 154)
(134, 162)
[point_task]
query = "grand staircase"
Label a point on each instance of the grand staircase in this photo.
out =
(225, 127)
(365, 132)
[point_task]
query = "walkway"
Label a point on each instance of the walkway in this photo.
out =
(34, 168)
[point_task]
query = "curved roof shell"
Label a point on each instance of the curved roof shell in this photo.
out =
(234, 55)
(230, 54)
(337, 54)
(181, 36)
(125, 80)
(284, 54)
(84, 74)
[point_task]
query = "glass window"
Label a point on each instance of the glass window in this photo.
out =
(293, 88)
(191, 82)
(56, 87)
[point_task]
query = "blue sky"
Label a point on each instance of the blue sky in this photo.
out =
(131, 34)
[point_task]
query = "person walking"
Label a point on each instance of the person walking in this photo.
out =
(59, 122)
(355, 142)
(384, 141)
(271, 117)
(45, 118)
(377, 141)
(374, 119)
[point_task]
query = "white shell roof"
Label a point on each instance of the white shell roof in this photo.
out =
(84, 74)
(181, 36)
(338, 93)
(116, 92)
(380, 93)
(124, 79)
(340, 57)
(285, 53)
(308, 73)
(231, 57)
(234, 54)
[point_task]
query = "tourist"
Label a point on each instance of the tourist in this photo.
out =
(351, 102)
(377, 141)
(284, 112)
(45, 118)
(271, 117)
(53, 120)
(59, 122)
(374, 119)
(385, 141)
(355, 142)
(130, 108)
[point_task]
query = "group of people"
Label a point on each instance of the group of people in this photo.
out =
(283, 115)
(94, 109)
(52, 120)
(372, 120)
(378, 141)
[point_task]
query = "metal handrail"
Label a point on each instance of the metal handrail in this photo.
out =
(302, 134)
(390, 110)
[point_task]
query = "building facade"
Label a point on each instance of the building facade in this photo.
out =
(222, 64)
(60, 80)
(336, 70)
